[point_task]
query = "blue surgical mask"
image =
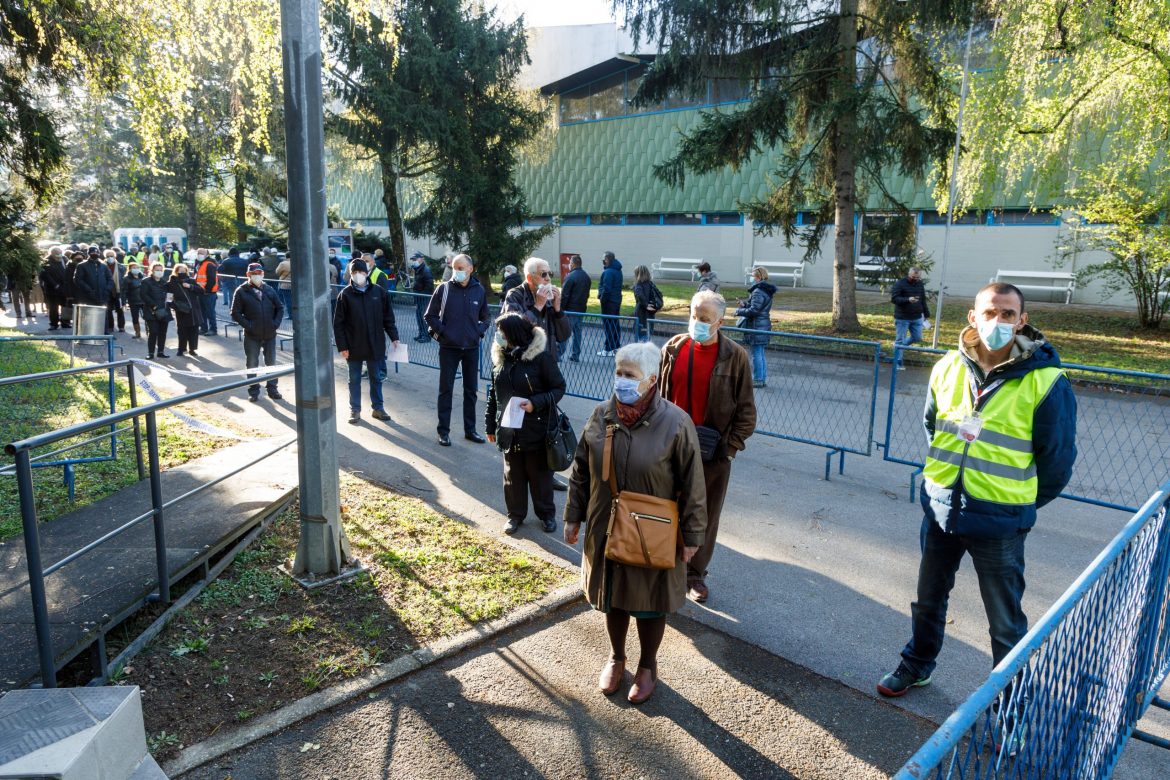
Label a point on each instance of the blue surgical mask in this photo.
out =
(626, 390)
(459, 276)
(996, 335)
(501, 340)
(700, 331)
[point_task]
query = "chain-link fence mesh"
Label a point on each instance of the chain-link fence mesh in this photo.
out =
(1123, 428)
(1066, 699)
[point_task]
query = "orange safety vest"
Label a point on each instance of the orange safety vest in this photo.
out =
(201, 277)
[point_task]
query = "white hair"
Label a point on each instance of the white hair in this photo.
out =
(711, 297)
(642, 354)
(531, 264)
(509, 269)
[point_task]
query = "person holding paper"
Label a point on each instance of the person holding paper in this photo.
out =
(526, 386)
(362, 320)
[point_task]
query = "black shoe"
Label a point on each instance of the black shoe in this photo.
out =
(900, 681)
(180, 353)
(254, 398)
(559, 484)
(513, 526)
(380, 414)
(53, 327)
(574, 360)
(162, 355)
(193, 354)
(444, 440)
(275, 395)
(548, 526)
(475, 437)
(355, 418)
(422, 339)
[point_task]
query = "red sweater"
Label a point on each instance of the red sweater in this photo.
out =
(704, 355)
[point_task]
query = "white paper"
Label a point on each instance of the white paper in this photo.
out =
(513, 416)
(399, 354)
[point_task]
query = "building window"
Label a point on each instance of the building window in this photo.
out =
(682, 219)
(809, 218)
(575, 219)
(729, 91)
(723, 218)
(643, 219)
(966, 218)
(537, 221)
(607, 97)
(1024, 217)
(605, 219)
(611, 97)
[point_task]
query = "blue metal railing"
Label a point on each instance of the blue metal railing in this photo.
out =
(1065, 700)
(1123, 428)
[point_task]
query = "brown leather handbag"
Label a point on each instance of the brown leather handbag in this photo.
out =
(643, 530)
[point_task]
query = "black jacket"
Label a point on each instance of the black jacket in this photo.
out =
(132, 289)
(531, 374)
(92, 283)
(458, 315)
(362, 320)
(154, 300)
(70, 274)
(904, 308)
(511, 282)
(423, 282)
(234, 265)
(53, 279)
(186, 294)
(646, 294)
(522, 301)
(575, 290)
(257, 310)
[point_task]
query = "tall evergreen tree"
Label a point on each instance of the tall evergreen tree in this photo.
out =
(843, 92)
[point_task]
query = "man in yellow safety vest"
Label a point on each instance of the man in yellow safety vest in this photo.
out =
(1001, 421)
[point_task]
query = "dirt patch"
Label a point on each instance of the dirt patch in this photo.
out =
(254, 641)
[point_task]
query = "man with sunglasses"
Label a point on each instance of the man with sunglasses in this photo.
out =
(540, 301)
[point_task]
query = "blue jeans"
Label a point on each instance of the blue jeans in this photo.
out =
(229, 285)
(759, 363)
(286, 301)
(209, 323)
(355, 384)
(575, 319)
(999, 566)
(906, 332)
(420, 308)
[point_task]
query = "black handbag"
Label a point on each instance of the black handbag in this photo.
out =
(561, 442)
(708, 437)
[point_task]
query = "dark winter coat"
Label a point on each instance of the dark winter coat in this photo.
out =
(132, 290)
(904, 308)
(646, 295)
(609, 287)
(234, 265)
(70, 274)
(186, 294)
(522, 301)
(423, 281)
(533, 374)
(757, 313)
(1054, 428)
(257, 310)
(362, 320)
(53, 280)
(463, 319)
(511, 282)
(658, 456)
(154, 300)
(575, 291)
(92, 282)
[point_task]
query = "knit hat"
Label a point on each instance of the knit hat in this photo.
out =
(358, 266)
(255, 268)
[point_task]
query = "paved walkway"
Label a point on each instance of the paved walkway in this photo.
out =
(526, 705)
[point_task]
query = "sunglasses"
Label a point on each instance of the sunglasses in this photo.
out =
(545, 275)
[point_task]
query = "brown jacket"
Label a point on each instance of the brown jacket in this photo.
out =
(731, 404)
(658, 456)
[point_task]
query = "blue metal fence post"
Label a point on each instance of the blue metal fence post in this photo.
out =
(156, 502)
(36, 574)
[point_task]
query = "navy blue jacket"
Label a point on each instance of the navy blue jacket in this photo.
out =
(234, 265)
(257, 310)
(462, 320)
(362, 320)
(1054, 430)
(92, 283)
(575, 290)
(423, 282)
(609, 287)
(757, 313)
(904, 308)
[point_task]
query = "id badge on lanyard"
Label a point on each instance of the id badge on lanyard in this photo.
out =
(972, 423)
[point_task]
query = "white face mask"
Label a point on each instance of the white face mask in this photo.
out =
(157, 274)
(256, 279)
(359, 279)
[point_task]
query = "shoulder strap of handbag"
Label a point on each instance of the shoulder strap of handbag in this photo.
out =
(443, 304)
(607, 469)
(691, 380)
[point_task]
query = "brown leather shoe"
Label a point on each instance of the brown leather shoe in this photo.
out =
(643, 688)
(697, 592)
(610, 678)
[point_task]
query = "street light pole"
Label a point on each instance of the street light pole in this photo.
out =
(322, 549)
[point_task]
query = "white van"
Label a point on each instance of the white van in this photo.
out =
(124, 237)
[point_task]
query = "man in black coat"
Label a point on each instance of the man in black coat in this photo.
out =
(575, 291)
(256, 308)
(458, 314)
(538, 300)
(362, 320)
(910, 311)
(92, 282)
(423, 283)
(53, 281)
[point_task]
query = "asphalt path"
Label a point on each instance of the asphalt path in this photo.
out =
(818, 572)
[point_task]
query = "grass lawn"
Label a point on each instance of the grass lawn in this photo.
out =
(1091, 335)
(254, 641)
(33, 408)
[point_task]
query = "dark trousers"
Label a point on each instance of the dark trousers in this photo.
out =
(527, 472)
(156, 340)
(16, 295)
(135, 313)
(188, 338)
(575, 319)
(420, 308)
(114, 311)
(613, 332)
(716, 474)
(55, 304)
(450, 359)
(252, 349)
(208, 303)
(999, 566)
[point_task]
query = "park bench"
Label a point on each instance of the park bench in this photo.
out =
(873, 268)
(675, 265)
(793, 271)
(1058, 281)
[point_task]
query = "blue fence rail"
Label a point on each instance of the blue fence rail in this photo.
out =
(1066, 699)
(1123, 428)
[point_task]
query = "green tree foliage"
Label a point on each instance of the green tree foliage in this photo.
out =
(842, 93)
(49, 47)
(19, 257)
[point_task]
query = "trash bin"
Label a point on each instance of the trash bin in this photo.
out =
(89, 321)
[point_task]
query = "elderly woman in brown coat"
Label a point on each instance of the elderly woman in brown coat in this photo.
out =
(655, 451)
